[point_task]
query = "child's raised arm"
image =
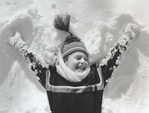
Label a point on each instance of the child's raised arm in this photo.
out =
(34, 64)
(110, 62)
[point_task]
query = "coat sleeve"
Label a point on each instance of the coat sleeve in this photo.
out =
(31, 59)
(109, 63)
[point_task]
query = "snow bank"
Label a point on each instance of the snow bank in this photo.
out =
(99, 24)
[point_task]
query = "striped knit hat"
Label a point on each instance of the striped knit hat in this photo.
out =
(72, 43)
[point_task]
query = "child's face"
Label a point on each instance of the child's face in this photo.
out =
(77, 62)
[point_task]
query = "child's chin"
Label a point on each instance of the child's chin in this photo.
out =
(79, 71)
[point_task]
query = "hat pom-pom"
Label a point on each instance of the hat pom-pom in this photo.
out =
(61, 22)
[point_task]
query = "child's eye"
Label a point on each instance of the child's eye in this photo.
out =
(86, 59)
(78, 58)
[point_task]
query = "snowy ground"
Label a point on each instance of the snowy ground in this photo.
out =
(99, 24)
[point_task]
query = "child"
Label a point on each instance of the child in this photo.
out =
(73, 85)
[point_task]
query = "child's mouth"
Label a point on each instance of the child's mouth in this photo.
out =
(81, 68)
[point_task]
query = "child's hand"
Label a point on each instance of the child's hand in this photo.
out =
(132, 31)
(11, 33)
(14, 36)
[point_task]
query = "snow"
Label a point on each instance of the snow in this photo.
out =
(99, 24)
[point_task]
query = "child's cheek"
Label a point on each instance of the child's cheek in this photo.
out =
(76, 65)
(87, 64)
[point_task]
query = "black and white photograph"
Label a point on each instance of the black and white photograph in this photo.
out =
(74, 56)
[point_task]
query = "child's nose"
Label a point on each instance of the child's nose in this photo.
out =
(82, 60)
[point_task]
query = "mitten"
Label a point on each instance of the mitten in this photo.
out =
(14, 37)
(132, 30)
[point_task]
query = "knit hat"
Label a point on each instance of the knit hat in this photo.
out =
(71, 43)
